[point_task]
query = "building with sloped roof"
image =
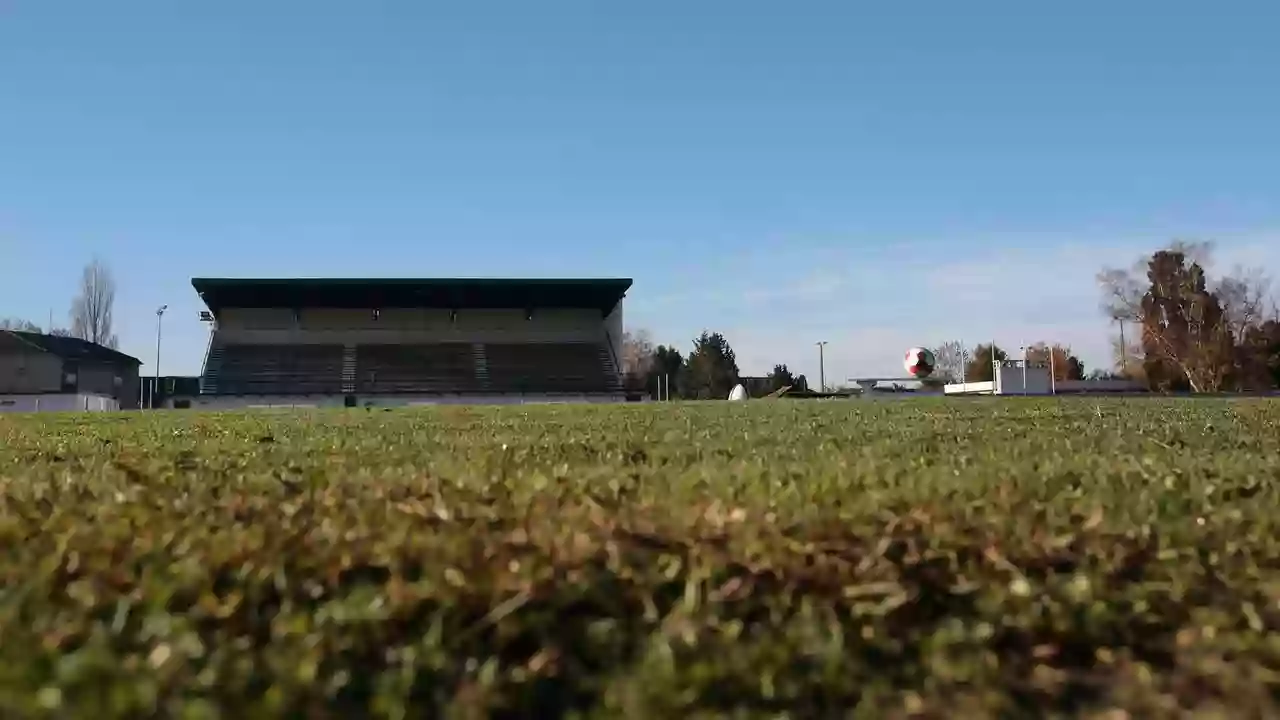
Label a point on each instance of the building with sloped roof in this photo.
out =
(405, 341)
(54, 372)
(178, 392)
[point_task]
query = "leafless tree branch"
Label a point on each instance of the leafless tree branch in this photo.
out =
(637, 353)
(1244, 296)
(91, 311)
(951, 357)
(18, 324)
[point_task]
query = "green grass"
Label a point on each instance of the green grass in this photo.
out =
(932, 558)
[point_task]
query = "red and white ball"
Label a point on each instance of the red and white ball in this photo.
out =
(920, 362)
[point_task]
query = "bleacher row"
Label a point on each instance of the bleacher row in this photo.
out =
(440, 368)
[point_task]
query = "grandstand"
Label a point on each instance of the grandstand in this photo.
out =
(317, 342)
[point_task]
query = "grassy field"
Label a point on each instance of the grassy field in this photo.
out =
(929, 558)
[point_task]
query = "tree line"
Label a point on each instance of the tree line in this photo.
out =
(709, 370)
(92, 310)
(956, 363)
(1178, 329)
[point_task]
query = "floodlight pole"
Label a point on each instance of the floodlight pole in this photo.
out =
(1124, 351)
(1053, 380)
(155, 383)
(1024, 369)
(997, 372)
(822, 377)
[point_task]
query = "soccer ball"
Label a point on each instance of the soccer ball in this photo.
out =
(920, 362)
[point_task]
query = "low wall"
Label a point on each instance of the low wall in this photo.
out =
(1099, 386)
(240, 402)
(58, 402)
(973, 388)
(1038, 384)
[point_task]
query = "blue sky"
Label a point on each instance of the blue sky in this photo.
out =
(875, 175)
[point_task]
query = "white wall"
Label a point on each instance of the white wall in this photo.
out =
(1009, 382)
(531, 399)
(231, 402)
(68, 402)
(973, 388)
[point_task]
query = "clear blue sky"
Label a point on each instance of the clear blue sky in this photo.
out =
(871, 174)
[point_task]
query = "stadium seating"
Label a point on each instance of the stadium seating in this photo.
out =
(363, 342)
(390, 369)
(278, 369)
(576, 367)
(435, 368)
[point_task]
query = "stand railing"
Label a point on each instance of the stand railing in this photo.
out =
(204, 365)
(617, 366)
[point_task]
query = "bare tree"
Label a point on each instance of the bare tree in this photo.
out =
(1123, 288)
(18, 324)
(1192, 332)
(1126, 356)
(637, 353)
(1065, 365)
(1244, 295)
(1199, 252)
(91, 311)
(1123, 291)
(951, 357)
(1185, 337)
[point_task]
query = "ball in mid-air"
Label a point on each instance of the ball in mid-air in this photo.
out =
(920, 362)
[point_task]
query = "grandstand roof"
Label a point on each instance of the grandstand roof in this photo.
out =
(455, 293)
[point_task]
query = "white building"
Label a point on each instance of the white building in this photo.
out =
(1016, 377)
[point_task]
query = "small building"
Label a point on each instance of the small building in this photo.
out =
(757, 386)
(1016, 377)
(41, 372)
(180, 392)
